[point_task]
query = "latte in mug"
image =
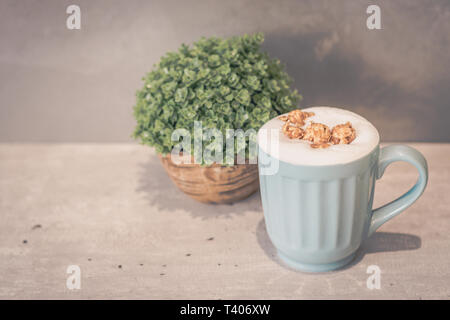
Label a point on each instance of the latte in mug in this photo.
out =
(318, 201)
(298, 151)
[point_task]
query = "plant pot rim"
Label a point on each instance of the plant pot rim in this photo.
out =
(168, 156)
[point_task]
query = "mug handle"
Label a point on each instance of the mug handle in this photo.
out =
(388, 155)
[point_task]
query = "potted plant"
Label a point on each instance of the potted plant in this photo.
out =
(215, 84)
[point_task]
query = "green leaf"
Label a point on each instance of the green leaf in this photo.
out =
(181, 95)
(214, 60)
(243, 97)
(253, 82)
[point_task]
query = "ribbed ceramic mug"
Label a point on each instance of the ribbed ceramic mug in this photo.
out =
(318, 216)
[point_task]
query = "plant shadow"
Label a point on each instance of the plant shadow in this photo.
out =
(378, 242)
(161, 192)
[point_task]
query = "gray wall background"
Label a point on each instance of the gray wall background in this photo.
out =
(63, 85)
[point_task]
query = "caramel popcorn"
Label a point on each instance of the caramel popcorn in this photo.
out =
(292, 131)
(317, 133)
(297, 116)
(320, 145)
(343, 134)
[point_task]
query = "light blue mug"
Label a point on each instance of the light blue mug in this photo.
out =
(318, 216)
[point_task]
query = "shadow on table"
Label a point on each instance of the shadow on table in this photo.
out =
(161, 192)
(378, 242)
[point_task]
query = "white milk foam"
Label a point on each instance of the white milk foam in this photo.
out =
(299, 152)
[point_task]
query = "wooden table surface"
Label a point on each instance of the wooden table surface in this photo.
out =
(112, 210)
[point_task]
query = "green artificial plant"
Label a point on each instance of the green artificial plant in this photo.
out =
(223, 83)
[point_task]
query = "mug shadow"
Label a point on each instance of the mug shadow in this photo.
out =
(160, 192)
(378, 242)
